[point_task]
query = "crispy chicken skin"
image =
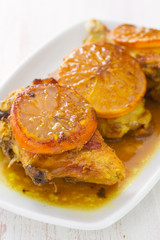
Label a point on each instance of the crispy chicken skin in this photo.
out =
(96, 162)
(148, 58)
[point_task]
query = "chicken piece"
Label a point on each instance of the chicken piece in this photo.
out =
(148, 58)
(7, 103)
(97, 31)
(96, 162)
(5, 128)
(137, 123)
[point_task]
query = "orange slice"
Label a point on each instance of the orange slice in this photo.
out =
(51, 119)
(37, 81)
(138, 37)
(106, 75)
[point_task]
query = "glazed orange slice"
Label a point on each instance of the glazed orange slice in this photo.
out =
(106, 75)
(138, 37)
(51, 119)
(44, 81)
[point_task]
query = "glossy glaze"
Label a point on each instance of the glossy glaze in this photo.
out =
(51, 119)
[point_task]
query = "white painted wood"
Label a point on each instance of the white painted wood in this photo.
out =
(26, 25)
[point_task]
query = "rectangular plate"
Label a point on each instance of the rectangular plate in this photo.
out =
(39, 65)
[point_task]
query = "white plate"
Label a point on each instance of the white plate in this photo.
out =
(45, 61)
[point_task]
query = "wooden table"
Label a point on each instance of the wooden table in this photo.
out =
(26, 25)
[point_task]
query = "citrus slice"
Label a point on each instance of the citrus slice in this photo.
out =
(37, 81)
(106, 75)
(138, 37)
(51, 119)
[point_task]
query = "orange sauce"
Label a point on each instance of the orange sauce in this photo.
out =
(135, 153)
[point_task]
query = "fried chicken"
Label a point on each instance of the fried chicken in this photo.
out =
(96, 162)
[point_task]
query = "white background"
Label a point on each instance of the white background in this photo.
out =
(24, 26)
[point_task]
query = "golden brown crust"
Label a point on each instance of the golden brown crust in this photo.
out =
(95, 163)
(137, 123)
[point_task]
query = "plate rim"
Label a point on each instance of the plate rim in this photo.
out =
(71, 223)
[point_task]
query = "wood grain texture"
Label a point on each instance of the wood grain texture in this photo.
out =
(24, 26)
